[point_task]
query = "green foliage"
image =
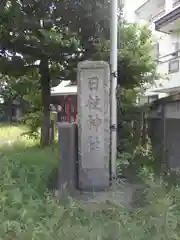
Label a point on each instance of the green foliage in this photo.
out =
(129, 120)
(33, 120)
(127, 101)
(135, 64)
(34, 115)
(37, 30)
(57, 36)
(12, 88)
(49, 33)
(130, 163)
(29, 211)
(53, 36)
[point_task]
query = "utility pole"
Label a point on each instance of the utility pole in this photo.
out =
(113, 65)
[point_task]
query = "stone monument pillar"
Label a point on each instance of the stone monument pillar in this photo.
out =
(93, 125)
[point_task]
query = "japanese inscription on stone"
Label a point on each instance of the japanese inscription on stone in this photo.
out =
(93, 143)
(94, 122)
(93, 108)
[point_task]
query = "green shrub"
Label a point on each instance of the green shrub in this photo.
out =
(29, 211)
(130, 163)
(33, 121)
(34, 115)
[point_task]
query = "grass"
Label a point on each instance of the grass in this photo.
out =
(37, 162)
(11, 132)
(28, 209)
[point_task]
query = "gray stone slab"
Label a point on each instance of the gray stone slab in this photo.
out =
(126, 195)
(122, 195)
(67, 177)
(94, 125)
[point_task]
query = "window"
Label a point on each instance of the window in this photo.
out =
(173, 65)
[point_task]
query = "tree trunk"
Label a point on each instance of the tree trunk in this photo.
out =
(45, 88)
(143, 130)
(9, 111)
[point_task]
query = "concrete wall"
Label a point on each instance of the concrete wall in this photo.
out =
(165, 135)
(156, 133)
(173, 143)
(172, 110)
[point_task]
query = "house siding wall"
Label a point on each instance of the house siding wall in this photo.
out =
(168, 44)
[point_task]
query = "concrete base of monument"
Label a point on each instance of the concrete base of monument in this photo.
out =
(96, 179)
(123, 194)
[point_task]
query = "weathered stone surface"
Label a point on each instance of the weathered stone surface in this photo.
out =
(67, 177)
(94, 125)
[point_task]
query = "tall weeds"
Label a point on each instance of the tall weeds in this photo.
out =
(29, 211)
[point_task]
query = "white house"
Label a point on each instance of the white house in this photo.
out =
(163, 17)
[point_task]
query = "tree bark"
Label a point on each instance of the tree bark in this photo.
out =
(9, 111)
(45, 88)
